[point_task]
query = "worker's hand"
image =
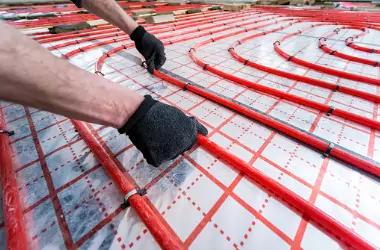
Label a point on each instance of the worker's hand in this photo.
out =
(150, 47)
(161, 132)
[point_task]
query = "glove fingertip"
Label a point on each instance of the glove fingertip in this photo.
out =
(151, 66)
(202, 129)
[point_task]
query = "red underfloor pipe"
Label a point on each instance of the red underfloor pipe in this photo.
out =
(328, 15)
(309, 210)
(123, 36)
(159, 231)
(110, 52)
(76, 34)
(102, 30)
(86, 48)
(309, 80)
(281, 94)
(299, 135)
(16, 236)
(322, 45)
(295, 133)
(320, 68)
(351, 44)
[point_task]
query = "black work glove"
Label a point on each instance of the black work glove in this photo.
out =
(161, 132)
(150, 47)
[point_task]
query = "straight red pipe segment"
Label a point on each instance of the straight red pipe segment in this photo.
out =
(159, 231)
(304, 206)
(279, 126)
(309, 210)
(16, 236)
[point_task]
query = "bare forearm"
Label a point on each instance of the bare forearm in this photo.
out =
(111, 11)
(31, 76)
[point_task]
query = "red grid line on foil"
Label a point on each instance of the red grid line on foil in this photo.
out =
(49, 181)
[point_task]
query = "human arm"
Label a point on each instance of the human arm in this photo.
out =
(31, 76)
(148, 45)
(110, 11)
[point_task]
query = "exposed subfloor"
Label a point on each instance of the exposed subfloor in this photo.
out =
(69, 200)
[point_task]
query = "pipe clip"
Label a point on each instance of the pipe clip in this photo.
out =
(126, 203)
(328, 150)
(332, 108)
(336, 88)
(332, 52)
(372, 51)
(277, 42)
(337, 30)
(191, 50)
(205, 66)
(290, 58)
(324, 38)
(9, 133)
(98, 72)
(376, 64)
(185, 86)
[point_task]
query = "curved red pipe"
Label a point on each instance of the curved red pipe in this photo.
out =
(322, 45)
(351, 44)
(320, 68)
(299, 135)
(312, 81)
(58, 37)
(123, 34)
(309, 209)
(110, 52)
(16, 236)
(281, 94)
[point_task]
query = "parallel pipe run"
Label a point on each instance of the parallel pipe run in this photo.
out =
(281, 94)
(309, 210)
(58, 37)
(86, 48)
(322, 45)
(16, 236)
(121, 36)
(297, 134)
(320, 68)
(309, 80)
(99, 63)
(159, 231)
(312, 141)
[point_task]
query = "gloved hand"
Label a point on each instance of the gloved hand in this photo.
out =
(150, 47)
(161, 132)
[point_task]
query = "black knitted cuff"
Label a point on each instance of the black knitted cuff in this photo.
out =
(137, 34)
(78, 3)
(139, 113)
